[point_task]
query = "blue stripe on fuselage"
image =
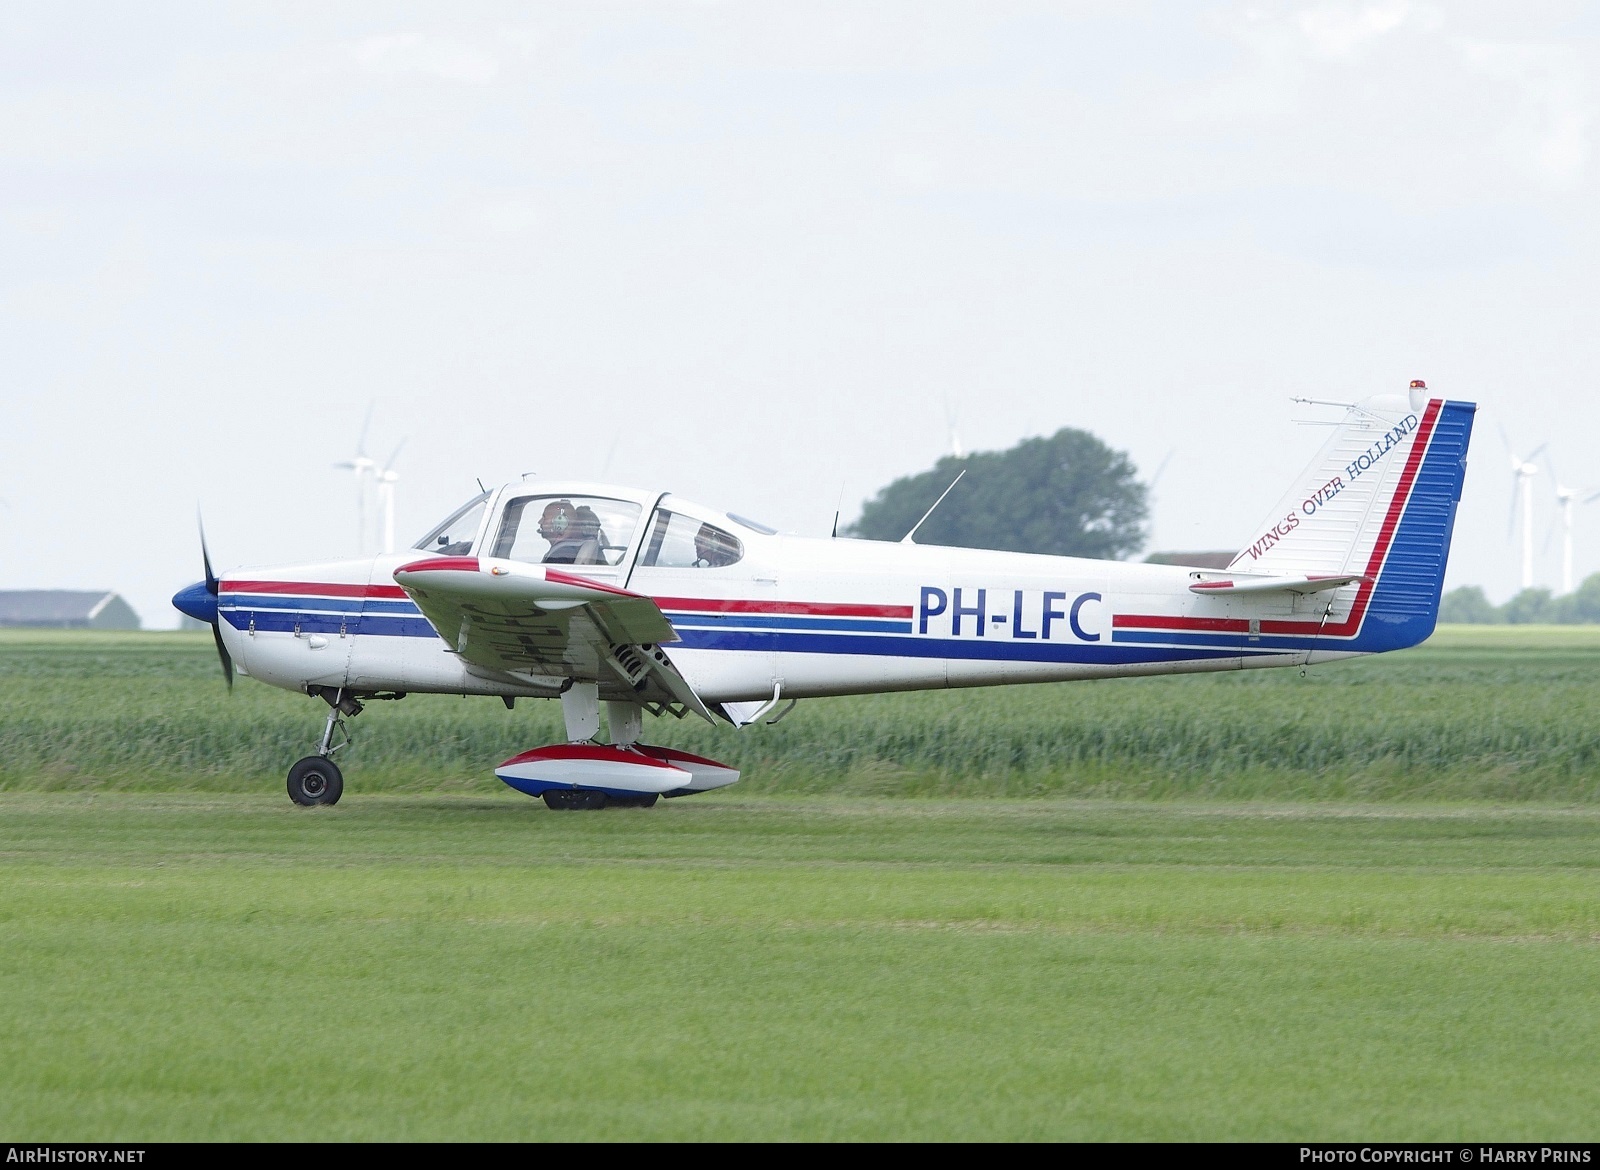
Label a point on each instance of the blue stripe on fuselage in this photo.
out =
(717, 621)
(312, 604)
(968, 649)
(384, 625)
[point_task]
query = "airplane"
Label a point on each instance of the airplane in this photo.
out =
(641, 602)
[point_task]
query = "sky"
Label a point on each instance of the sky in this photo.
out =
(769, 257)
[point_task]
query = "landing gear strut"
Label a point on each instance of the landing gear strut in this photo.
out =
(317, 779)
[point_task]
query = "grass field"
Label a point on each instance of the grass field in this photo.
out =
(203, 966)
(185, 955)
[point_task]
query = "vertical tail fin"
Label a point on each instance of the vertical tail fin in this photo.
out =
(1380, 500)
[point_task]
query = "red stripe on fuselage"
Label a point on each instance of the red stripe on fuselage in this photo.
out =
(1380, 551)
(312, 588)
(811, 608)
(1158, 622)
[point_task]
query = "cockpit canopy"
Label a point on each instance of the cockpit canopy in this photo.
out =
(567, 528)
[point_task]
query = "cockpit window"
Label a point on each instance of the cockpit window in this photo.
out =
(454, 536)
(566, 530)
(682, 542)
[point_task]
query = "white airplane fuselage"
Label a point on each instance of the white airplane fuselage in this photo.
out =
(815, 616)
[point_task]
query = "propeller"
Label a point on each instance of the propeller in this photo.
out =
(1522, 468)
(1150, 495)
(199, 601)
(1563, 496)
(212, 585)
(1160, 470)
(1566, 499)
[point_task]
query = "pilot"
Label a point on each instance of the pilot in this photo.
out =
(711, 548)
(557, 525)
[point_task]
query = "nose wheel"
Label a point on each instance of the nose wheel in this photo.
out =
(315, 780)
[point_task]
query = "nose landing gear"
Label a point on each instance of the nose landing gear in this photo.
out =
(317, 779)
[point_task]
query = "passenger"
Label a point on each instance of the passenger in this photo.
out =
(713, 548)
(591, 538)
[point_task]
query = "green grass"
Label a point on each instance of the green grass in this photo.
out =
(191, 966)
(1509, 713)
(185, 955)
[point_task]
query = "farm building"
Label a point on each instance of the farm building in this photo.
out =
(66, 609)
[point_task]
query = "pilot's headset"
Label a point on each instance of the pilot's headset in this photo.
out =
(556, 523)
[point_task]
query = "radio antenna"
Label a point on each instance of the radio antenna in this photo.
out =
(906, 539)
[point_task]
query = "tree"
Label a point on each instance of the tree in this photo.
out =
(1583, 605)
(1069, 495)
(1530, 607)
(1468, 604)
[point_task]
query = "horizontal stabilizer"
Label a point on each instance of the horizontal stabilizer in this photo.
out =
(1304, 583)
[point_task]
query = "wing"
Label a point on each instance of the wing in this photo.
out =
(533, 622)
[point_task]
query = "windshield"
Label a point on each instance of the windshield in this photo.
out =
(566, 530)
(453, 537)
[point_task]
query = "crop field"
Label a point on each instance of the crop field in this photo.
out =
(1479, 713)
(1363, 904)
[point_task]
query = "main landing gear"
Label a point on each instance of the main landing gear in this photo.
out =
(585, 774)
(580, 708)
(317, 779)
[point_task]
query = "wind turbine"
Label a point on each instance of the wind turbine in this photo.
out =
(1522, 473)
(363, 465)
(950, 413)
(1566, 497)
(1150, 493)
(387, 476)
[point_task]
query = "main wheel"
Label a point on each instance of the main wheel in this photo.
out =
(315, 780)
(647, 800)
(568, 799)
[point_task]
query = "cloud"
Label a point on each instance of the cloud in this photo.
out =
(511, 216)
(401, 53)
(1549, 125)
(1335, 31)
